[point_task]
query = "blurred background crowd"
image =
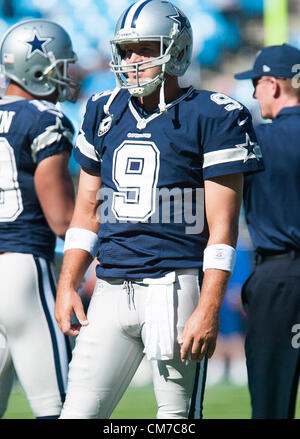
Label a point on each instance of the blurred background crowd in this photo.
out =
(227, 36)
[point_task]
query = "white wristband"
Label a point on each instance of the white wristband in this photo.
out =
(219, 256)
(81, 238)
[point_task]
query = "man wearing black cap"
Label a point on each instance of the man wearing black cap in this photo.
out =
(271, 295)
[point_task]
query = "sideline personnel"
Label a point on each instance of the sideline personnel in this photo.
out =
(271, 295)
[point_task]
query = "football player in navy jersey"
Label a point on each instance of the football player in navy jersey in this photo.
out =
(149, 151)
(271, 295)
(36, 205)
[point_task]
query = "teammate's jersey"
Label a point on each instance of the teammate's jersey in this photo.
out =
(272, 197)
(153, 170)
(30, 131)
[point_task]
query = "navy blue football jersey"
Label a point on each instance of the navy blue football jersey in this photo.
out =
(30, 131)
(153, 169)
(272, 197)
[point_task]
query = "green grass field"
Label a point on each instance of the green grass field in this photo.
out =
(221, 402)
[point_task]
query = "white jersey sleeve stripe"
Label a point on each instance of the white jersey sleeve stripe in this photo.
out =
(52, 134)
(87, 148)
(224, 156)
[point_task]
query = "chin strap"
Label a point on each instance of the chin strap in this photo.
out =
(162, 102)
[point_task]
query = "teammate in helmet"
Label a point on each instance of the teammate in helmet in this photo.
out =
(35, 54)
(37, 202)
(150, 151)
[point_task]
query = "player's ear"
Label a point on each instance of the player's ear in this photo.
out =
(276, 87)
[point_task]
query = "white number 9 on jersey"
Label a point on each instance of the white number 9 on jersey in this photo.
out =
(135, 174)
(222, 99)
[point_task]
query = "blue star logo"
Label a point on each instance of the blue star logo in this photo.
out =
(179, 18)
(251, 149)
(37, 45)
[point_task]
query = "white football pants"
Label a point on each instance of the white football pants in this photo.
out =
(6, 371)
(109, 350)
(30, 339)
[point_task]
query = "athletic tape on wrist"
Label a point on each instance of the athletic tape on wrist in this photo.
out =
(84, 239)
(219, 256)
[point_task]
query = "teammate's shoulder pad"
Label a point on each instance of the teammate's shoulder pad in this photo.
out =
(43, 106)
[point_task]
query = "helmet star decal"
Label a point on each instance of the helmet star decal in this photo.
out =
(179, 18)
(37, 45)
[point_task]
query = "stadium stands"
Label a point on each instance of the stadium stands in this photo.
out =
(217, 26)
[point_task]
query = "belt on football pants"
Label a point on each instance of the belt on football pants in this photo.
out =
(272, 255)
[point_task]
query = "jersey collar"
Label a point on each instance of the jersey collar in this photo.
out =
(289, 110)
(143, 121)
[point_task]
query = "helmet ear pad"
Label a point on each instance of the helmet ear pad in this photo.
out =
(36, 79)
(181, 54)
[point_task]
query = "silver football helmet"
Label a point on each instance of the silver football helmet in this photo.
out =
(35, 54)
(152, 20)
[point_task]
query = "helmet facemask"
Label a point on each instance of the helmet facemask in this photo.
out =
(121, 69)
(57, 73)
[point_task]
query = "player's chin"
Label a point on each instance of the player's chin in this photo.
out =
(265, 114)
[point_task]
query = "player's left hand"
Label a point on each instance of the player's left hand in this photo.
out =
(199, 335)
(68, 304)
